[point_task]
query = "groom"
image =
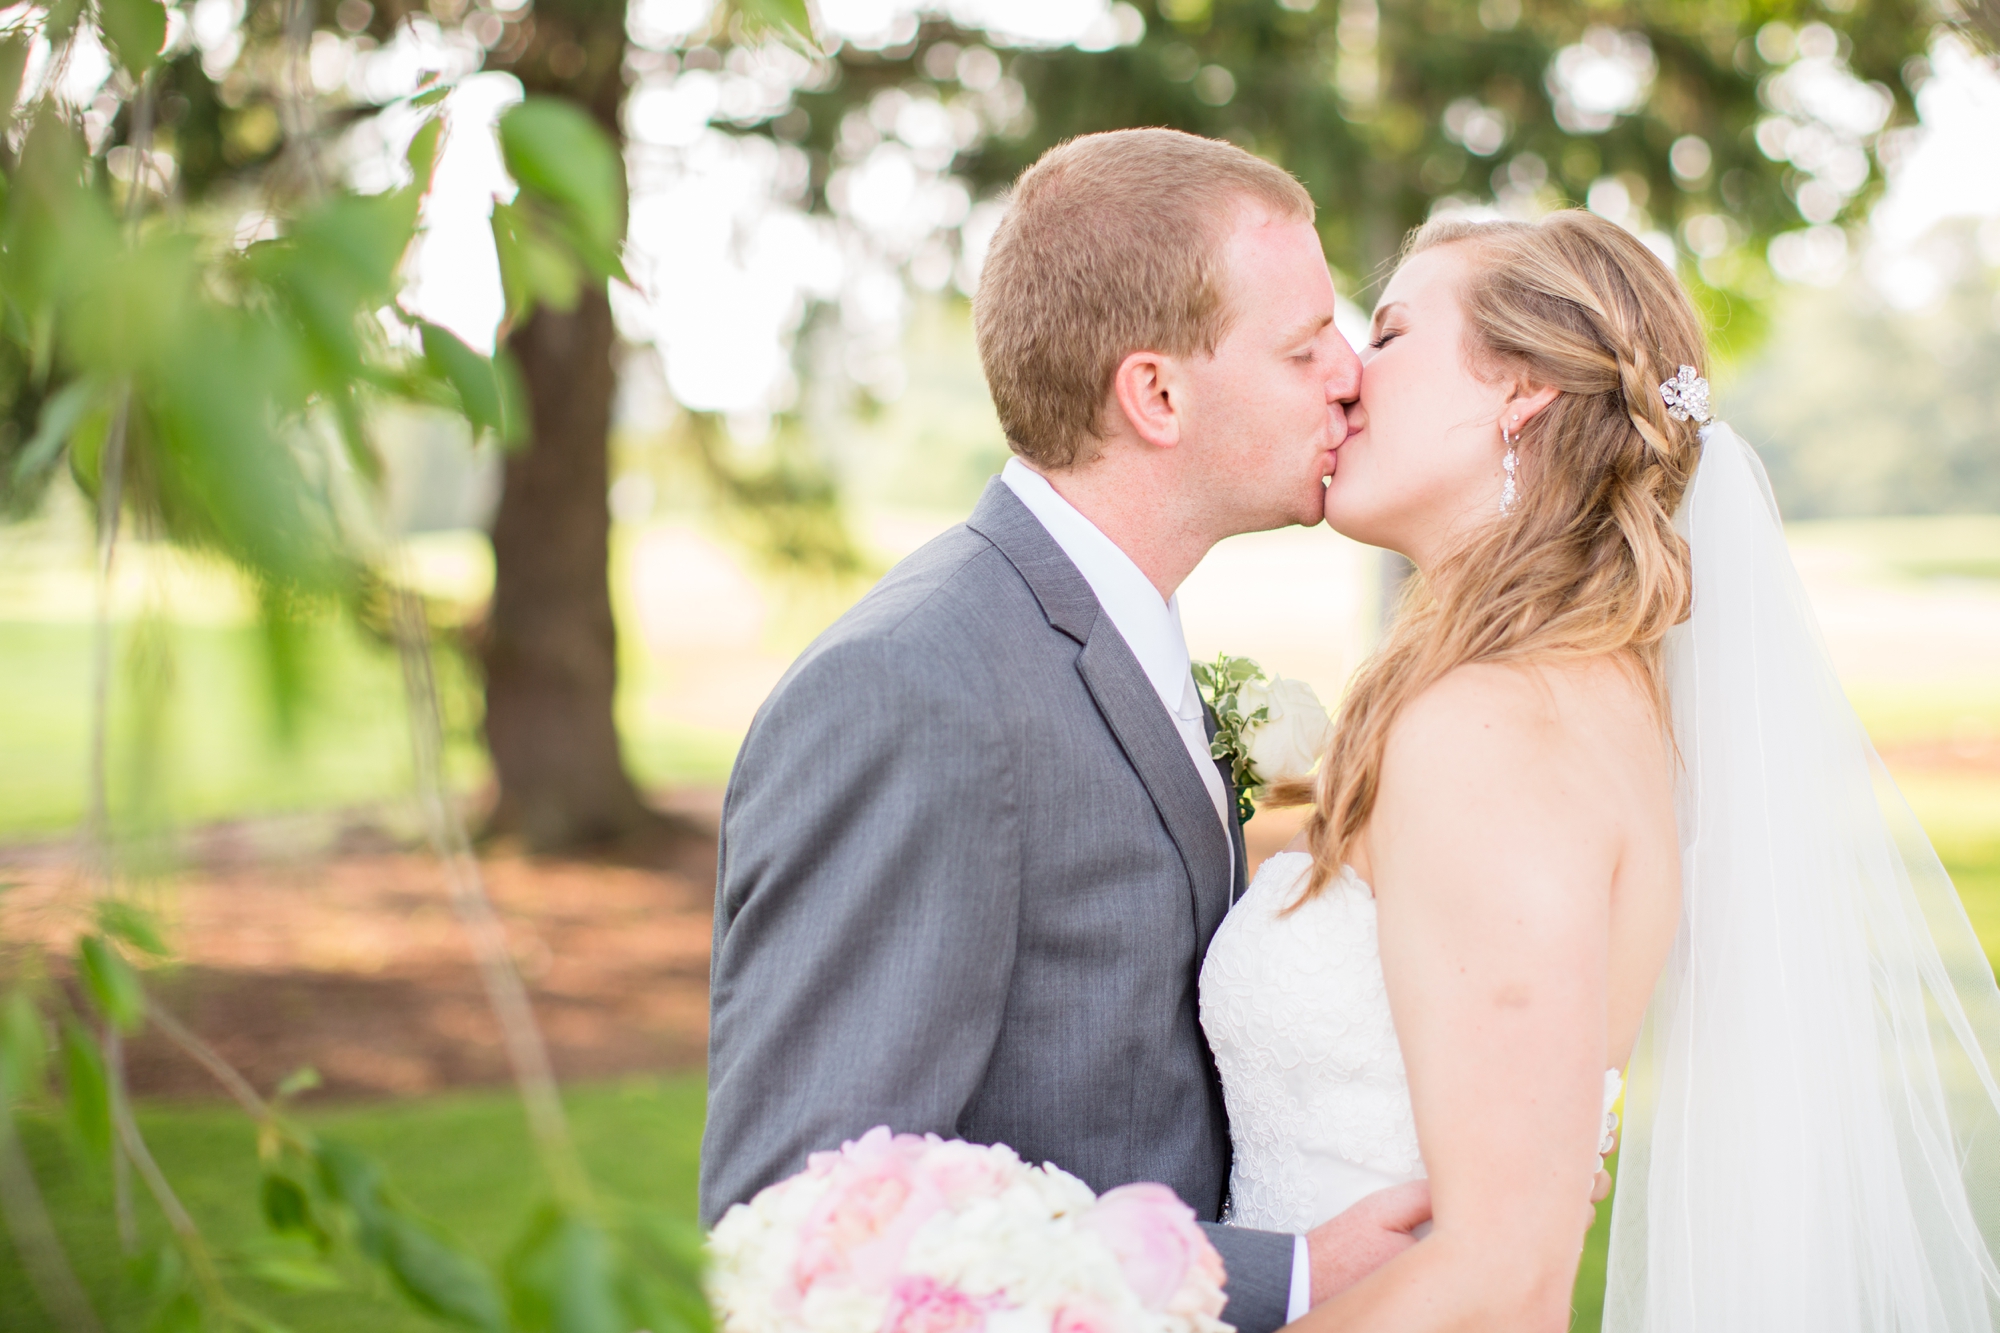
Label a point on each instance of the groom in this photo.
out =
(974, 847)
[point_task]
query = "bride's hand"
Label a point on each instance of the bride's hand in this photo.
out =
(1366, 1236)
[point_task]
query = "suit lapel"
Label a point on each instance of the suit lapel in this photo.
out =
(1125, 697)
(1153, 745)
(1065, 596)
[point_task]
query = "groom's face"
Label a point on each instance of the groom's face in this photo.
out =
(1267, 411)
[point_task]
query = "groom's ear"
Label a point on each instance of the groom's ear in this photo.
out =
(1145, 391)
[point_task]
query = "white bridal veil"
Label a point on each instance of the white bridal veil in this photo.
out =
(1812, 1129)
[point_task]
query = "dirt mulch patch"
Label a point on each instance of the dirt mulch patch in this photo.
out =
(328, 942)
(350, 959)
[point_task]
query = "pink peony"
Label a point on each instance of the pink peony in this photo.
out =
(924, 1305)
(1166, 1259)
(967, 1171)
(1084, 1316)
(876, 1198)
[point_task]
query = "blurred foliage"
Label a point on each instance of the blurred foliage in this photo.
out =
(455, 1159)
(781, 500)
(1859, 408)
(1386, 108)
(217, 385)
(1979, 18)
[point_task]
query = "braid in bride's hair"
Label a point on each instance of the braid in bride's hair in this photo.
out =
(1588, 563)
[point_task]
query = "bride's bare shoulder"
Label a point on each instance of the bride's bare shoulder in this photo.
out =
(1489, 720)
(1545, 778)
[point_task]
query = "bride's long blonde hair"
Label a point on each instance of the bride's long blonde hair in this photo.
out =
(1588, 563)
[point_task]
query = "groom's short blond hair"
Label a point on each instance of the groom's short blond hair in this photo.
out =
(1112, 244)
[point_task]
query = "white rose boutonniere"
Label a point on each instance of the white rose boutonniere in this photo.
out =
(1267, 730)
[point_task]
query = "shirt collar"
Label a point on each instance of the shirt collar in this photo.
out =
(1150, 625)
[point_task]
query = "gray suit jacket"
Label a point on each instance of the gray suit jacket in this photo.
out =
(967, 879)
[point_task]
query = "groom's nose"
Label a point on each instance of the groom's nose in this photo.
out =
(1343, 381)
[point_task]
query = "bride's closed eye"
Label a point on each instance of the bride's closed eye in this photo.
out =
(1382, 339)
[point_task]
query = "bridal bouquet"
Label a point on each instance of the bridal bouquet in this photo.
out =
(901, 1234)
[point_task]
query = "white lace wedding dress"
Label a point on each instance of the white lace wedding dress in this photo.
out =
(1295, 1011)
(1298, 1018)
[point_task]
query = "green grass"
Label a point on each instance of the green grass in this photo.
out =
(218, 749)
(219, 752)
(1941, 546)
(461, 1159)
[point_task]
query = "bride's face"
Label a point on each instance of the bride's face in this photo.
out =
(1421, 460)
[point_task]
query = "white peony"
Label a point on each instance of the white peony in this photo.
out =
(1293, 737)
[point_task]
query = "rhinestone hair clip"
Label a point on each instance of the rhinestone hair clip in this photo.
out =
(1687, 396)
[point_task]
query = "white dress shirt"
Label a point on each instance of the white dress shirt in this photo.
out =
(1151, 628)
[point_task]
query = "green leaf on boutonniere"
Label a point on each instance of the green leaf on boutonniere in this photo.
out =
(1221, 683)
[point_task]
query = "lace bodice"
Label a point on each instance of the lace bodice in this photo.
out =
(1298, 1017)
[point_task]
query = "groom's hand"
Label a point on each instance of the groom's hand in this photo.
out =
(1365, 1237)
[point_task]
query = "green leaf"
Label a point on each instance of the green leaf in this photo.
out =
(556, 152)
(440, 1279)
(303, 1079)
(514, 410)
(123, 919)
(287, 1210)
(561, 1278)
(89, 1089)
(86, 448)
(61, 21)
(785, 17)
(293, 1272)
(422, 154)
(158, 1271)
(135, 29)
(13, 63)
(58, 232)
(354, 1181)
(229, 483)
(24, 1048)
(533, 268)
(111, 983)
(432, 1274)
(61, 412)
(470, 374)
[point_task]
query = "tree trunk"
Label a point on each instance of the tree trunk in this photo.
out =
(551, 649)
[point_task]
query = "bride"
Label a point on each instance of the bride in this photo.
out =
(1598, 812)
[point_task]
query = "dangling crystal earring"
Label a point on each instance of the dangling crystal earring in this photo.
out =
(1509, 492)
